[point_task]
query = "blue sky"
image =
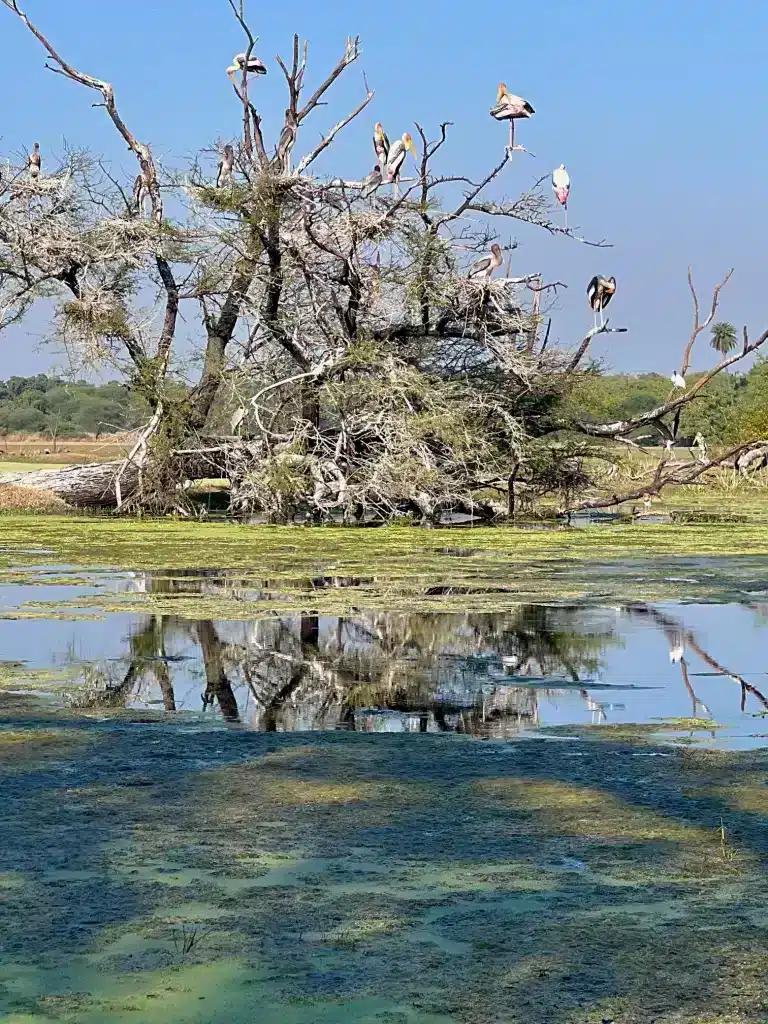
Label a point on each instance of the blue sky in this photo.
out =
(656, 108)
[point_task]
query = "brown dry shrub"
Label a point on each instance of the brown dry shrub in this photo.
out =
(14, 498)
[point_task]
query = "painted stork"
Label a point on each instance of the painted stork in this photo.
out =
(561, 183)
(510, 108)
(287, 141)
(226, 166)
(600, 291)
(396, 157)
(486, 266)
(255, 66)
(34, 163)
(678, 380)
(380, 145)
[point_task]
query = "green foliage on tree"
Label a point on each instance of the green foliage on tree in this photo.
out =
(723, 338)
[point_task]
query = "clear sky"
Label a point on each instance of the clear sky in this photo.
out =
(656, 108)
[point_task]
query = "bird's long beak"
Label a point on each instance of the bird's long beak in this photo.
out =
(409, 145)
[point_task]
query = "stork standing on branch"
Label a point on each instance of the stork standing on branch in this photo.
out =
(34, 163)
(600, 291)
(371, 181)
(510, 108)
(226, 166)
(486, 266)
(561, 183)
(380, 145)
(255, 67)
(396, 159)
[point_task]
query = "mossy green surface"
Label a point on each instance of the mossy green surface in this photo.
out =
(166, 874)
(337, 569)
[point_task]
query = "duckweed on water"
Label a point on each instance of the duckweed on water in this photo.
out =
(362, 879)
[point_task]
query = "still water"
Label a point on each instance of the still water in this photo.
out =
(490, 675)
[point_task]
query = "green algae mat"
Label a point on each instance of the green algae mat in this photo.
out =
(166, 874)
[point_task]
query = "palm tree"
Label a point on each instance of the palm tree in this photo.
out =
(723, 338)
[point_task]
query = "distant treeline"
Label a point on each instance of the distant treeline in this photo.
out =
(57, 408)
(732, 408)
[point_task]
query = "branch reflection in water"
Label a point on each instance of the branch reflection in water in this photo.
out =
(482, 674)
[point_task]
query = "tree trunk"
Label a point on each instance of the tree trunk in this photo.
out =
(92, 485)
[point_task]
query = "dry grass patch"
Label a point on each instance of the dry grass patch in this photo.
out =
(15, 498)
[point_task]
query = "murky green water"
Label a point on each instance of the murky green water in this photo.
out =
(382, 816)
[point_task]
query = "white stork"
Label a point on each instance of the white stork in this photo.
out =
(488, 264)
(561, 183)
(600, 291)
(678, 380)
(510, 108)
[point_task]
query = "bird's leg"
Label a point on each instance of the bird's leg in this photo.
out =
(594, 319)
(511, 135)
(602, 318)
(565, 208)
(395, 187)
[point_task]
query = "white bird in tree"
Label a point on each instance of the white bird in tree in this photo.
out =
(486, 266)
(141, 197)
(600, 291)
(34, 162)
(380, 145)
(255, 66)
(561, 183)
(226, 166)
(678, 380)
(510, 108)
(396, 158)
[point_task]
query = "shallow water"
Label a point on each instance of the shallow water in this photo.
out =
(529, 669)
(225, 819)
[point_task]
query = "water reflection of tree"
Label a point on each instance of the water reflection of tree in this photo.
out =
(466, 672)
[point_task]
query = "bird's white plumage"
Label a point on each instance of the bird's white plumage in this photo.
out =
(678, 381)
(560, 178)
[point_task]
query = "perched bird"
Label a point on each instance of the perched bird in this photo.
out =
(488, 264)
(140, 195)
(600, 291)
(287, 141)
(510, 108)
(561, 183)
(34, 163)
(678, 380)
(226, 166)
(396, 157)
(255, 66)
(371, 181)
(380, 145)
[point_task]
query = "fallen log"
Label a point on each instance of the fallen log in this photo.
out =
(92, 485)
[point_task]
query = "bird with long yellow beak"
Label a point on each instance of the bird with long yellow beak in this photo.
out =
(397, 153)
(510, 108)
(255, 67)
(380, 144)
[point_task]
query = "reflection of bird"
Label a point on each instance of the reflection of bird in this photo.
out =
(600, 291)
(255, 66)
(396, 157)
(34, 163)
(561, 183)
(678, 380)
(371, 181)
(380, 145)
(510, 108)
(226, 165)
(487, 264)
(676, 654)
